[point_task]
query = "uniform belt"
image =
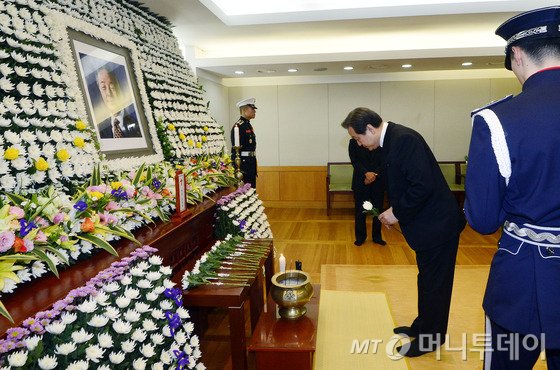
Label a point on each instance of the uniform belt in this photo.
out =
(248, 154)
(539, 235)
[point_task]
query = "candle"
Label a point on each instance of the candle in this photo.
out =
(282, 263)
(236, 136)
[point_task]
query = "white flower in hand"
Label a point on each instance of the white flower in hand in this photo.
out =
(367, 205)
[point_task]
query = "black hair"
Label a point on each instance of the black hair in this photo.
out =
(359, 118)
(540, 49)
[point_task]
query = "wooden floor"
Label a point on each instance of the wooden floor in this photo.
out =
(314, 238)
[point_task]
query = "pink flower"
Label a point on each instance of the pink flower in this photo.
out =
(145, 190)
(63, 238)
(111, 206)
(129, 192)
(41, 221)
(41, 237)
(7, 239)
(100, 188)
(16, 211)
(59, 217)
(107, 218)
(28, 244)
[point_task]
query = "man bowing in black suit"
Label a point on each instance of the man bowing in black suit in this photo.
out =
(429, 217)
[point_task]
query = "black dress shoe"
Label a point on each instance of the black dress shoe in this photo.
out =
(413, 349)
(406, 330)
(357, 243)
(379, 241)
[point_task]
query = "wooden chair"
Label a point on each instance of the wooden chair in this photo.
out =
(339, 180)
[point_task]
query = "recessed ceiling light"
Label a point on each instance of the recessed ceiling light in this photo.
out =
(292, 70)
(467, 64)
(348, 68)
(239, 72)
(321, 69)
(407, 66)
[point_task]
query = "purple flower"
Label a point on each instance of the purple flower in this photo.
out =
(174, 321)
(175, 294)
(242, 224)
(7, 239)
(16, 333)
(156, 183)
(119, 194)
(81, 205)
(58, 218)
(26, 227)
(182, 359)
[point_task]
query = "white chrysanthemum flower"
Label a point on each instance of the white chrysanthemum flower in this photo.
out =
(6, 84)
(47, 362)
(31, 342)
(168, 284)
(139, 364)
(159, 289)
(158, 366)
(165, 357)
(166, 330)
(157, 338)
(101, 298)
(81, 336)
(112, 312)
(56, 136)
(78, 365)
(122, 327)
(56, 327)
(180, 337)
(139, 335)
(20, 163)
(111, 287)
(23, 88)
(128, 346)
(105, 340)
(194, 341)
(189, 327)
(166, 270)
(88, 306)
(142, 307)
(65, 348)
(94, 353)
(34, 151)
(135, 271)
(126, 280)
(122, 301)
(183, 313)
(148, 350)
(152, 296)
(144, 284)
(116, 357)
(166, 305)
(17, 359)
(104, 367)
(12, 137)
(196, 353)
(188, 349)
(131, 293)
(155, 260)
(200, 366)
(98, 321)
(68, 317)
(132, 315)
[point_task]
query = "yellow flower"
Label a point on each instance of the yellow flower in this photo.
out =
(116, 184)
(190, 143)
(205, 128)
(199, 144)
(79, 142)
(41, 164)
(171, 127)
(63, 155)
(204, 138)
(80, 125)
(95, 195)
(11, 153)
(182, 137)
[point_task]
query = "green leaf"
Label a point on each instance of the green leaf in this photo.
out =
(57, 253)
(103, 244)
(16, 198)
(139, 173)
(149, 174)
(4, 312)
(43, 257)
(162, 214)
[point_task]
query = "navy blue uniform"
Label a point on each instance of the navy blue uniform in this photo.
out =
(513, 180)
(248, 143)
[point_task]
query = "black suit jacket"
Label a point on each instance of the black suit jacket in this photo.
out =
(364, 160)
(421, 199)
(130, 121)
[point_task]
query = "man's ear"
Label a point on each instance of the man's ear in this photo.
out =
(517, 55)
(370, 128)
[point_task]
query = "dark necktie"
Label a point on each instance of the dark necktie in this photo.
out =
(117, 132)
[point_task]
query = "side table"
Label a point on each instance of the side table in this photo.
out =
(283, 344)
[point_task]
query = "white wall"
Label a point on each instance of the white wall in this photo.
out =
(299, 124)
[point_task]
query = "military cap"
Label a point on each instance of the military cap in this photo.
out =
(534, 24)
(249, 101)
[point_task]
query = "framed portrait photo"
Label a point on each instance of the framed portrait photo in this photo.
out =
(113, 100)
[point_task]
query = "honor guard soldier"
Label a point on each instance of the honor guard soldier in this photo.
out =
(242, 135)
(512, 182)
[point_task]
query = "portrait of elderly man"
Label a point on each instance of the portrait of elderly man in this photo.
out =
(121, 121)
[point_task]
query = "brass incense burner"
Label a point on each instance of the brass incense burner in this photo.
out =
(291, 290)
